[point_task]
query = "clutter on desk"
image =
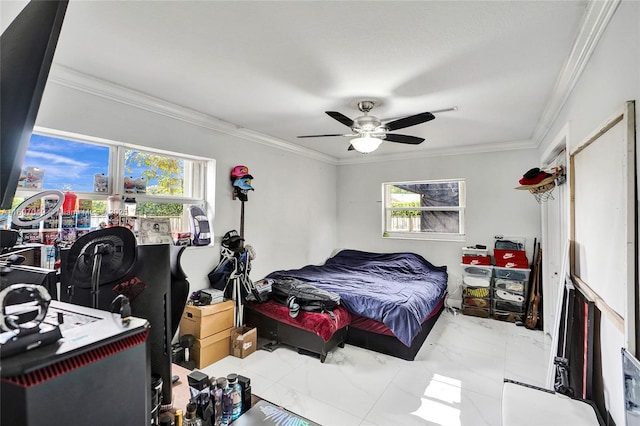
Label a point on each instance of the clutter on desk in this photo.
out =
(216, 401)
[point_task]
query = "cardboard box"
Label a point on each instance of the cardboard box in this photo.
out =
(205, 321)
(243, 341)
(211, 349)
(476, 260)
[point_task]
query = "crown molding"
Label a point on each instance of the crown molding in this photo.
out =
(77, 80)
(86, 83)
(595, 20)
(441, 152)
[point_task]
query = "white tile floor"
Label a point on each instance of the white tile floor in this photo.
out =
(456, 378)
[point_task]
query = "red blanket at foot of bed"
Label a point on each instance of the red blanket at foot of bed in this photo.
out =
(322, 324)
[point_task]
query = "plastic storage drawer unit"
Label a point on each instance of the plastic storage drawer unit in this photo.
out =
(514, 274)
(477, 276)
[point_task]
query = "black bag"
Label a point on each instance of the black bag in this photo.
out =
(219, 277)
(301, 295)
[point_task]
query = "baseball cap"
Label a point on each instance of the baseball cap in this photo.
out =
(231, 239)
(239, 171)
(534, 177)
(243, 183)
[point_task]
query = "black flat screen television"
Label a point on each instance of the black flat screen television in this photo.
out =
(26, 53)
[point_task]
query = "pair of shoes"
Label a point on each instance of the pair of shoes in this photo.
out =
(477, 282)
(475, 292)
(476, 301)
(481, 272)
(505, 295)
(507, 307)
(509, 285)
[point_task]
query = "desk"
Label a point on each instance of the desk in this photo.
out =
(519, 398)
(180, 397)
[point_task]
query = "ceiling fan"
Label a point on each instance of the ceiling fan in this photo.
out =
(368, 131)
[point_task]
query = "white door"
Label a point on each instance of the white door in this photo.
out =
(555, 233)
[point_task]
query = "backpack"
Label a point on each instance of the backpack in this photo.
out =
(300, 295)
(219, 277)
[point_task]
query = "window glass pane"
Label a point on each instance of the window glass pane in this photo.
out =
(425, 221)
(421, 208)
(173, 211)
(153, 174)
(159, 209)
(55, 163)
(434, 194)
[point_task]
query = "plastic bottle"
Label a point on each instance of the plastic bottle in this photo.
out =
(130, 206)
(115, 204)
(69, 203)
(114, 209)
(190, 418)
(216, 396)
(236, 395)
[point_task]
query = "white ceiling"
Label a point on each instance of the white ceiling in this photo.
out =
(275, 67)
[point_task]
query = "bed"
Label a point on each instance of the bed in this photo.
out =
(312, 333)
(393, 300)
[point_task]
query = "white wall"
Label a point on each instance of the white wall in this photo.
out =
(611, 77)
(494, 207)
(290, 218)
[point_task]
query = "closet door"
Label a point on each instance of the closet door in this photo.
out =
(555, 234)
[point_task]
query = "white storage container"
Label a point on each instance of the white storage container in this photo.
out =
(472, 251)
(505, 242)
(514, 274)
(477, 276)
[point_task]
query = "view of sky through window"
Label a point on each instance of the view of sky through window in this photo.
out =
(72, 165)
(66, 164)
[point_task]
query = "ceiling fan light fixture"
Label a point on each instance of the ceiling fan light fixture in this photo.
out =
(366, 144)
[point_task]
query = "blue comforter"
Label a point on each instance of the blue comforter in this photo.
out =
(397, 289)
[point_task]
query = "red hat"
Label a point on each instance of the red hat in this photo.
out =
(534, 177)
(538, 181)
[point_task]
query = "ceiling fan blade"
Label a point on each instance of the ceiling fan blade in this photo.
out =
(322, 136)
(340, 117)
(412, 120)
(393, 137)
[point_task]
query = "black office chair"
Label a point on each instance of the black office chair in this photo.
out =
(8, 239)
(179, 288)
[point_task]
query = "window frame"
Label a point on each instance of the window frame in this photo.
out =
(419, 235)
(196, 172)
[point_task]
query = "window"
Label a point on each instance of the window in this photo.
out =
(55, 163)
(161, 183)
(429, 210)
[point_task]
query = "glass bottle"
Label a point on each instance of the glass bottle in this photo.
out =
(190, 418)
(227, 402)
(216, 396)
(236, 395)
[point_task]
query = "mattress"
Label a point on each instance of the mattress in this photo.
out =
(373, 326)
(397, 289)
